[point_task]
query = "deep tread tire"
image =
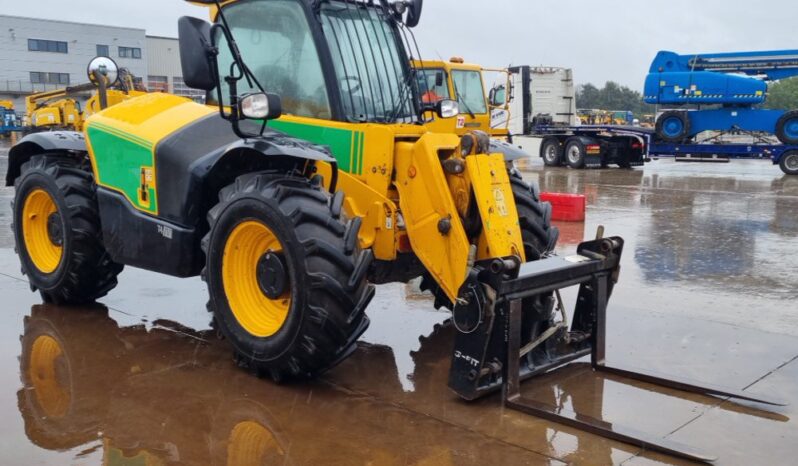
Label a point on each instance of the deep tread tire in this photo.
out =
(786, 128)
(329, 289)
(539, 236)
(675, 138)
(86, 271)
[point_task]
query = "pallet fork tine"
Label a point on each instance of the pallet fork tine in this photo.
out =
(490, 357)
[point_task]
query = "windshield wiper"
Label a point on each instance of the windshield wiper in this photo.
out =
(461, 99)
(404, 93)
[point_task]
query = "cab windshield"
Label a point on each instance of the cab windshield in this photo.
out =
(371, 67)
(470, 91)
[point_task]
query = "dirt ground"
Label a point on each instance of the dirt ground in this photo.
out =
(708, 291)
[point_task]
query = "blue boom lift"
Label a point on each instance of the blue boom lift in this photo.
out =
(8, 121)
(733, 83)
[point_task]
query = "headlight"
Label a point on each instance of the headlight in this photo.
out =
(255, 106)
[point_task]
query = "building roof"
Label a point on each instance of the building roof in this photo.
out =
(71, 22)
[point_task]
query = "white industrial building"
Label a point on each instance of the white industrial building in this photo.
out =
(41, 54)
(163, 68)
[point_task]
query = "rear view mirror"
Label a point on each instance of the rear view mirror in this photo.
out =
(498, 96)
(105, 67)
(196, 58)
(413, 12)
(439, 79)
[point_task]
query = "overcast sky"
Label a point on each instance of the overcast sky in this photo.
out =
(601, 40)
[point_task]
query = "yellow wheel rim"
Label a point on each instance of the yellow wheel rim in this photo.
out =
(44, 357)
(249, 444)
(35, 214)
(257, 313)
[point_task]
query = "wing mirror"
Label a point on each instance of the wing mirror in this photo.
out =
(196, 53)
(105, 68)
(411, 7)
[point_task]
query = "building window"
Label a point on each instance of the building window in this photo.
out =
(40, 77)
(102, 51)
(41, 45)
(158, 83)
(129, 52)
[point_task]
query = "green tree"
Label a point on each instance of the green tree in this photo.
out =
(612, 96)
(783, 95)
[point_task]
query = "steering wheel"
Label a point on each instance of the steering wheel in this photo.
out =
(354, 88)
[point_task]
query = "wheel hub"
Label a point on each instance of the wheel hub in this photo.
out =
(673, 127)
(573, 154)
(792, 162)
(271, 275)
(54, 230)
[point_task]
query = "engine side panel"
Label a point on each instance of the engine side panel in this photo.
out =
(122, 141)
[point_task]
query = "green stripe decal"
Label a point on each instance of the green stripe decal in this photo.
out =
(119, 158)
(356, 152)
(360, 153)
(343, 143)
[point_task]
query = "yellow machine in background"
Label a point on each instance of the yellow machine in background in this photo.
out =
(464, 83)
(594, 116)
(60, 109)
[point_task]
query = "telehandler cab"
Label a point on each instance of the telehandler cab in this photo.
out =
(292, 203)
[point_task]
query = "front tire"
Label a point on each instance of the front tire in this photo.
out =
(286, 278)
(57, 231)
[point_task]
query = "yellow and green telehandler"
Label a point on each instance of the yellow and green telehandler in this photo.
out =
(308, 178)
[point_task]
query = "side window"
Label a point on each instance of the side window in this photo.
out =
(276, 43)
(432, 85)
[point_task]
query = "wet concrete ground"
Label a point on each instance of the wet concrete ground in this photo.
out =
(707, 291)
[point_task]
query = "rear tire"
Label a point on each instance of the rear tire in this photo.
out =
(63, 254)
(314, 316)
(673, 126)
(789, 162)
(575, 153)
(787, 128)
(551, 152)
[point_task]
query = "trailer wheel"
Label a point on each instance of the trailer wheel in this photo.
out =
(673, 126)
(551, 152)
(57, 231)
(286, 277)
(787, 128)
(575, 153)
(789, 162)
